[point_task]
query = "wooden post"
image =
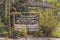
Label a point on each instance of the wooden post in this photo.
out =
(6, 8)
(9, 17)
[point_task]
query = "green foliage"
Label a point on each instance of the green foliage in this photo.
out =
(24, 8)
(3, 32)
(56, 31)
(58, 4)
(47, 20)
(22, 1)
(2, 24)
(19, 33)
(51, 0)
(24, 31)
(16, 34)
(6, 20)
(38, 34)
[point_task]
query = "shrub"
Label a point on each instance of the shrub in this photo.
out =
(16, 33)
(56, 31)
(3, 32)
(24, 30)
(38, 33)
(20, 31)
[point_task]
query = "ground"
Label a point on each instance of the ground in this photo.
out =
(32, 38)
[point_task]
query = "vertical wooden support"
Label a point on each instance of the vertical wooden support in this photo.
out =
(6, 8)
(9, 17)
